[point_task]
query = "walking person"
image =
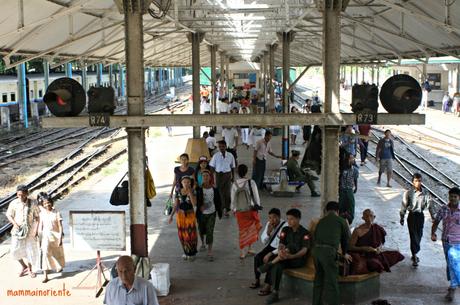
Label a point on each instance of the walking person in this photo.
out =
(186, 219)
(207, 207)
(211, 142)
(364, 141)
(450, 216)
(385, 155)
(349, 140)
(306, 129)
(331, 231)
(169, 128)
(223, 164)
(294, 130)
(180, 171)
(203, 164)
(24, 216)
(262, 149)
(244, 130)
(51, 232)
(230, 136)
(348, 186)
(246, 204)
(257, 133)
(270, 237)
(415, 201)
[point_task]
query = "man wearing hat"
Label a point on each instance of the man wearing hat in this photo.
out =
(296, 174)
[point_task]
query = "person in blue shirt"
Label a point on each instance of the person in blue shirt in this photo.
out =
(385, 156)
(349, 141)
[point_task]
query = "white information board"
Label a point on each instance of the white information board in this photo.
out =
(98, 230)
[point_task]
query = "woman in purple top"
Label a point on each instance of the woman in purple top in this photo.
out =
(180, 171)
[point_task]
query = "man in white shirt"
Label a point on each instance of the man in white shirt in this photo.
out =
(271, 238)
(211, 142)
(128, 288)
(235, 104)
(223, 106)
(262, 149)
(230, 135)
(223, 164)
(205, 106)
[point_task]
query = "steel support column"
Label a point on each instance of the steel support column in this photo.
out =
(378, 76)
(46, 80)
(271, 78)
(22, 94)
(357, 75)
(110, 75)
(160, 79)
(287, 39)
(351, 76)
(122, 80)
(99, 68)
(266, 78)
(149, 81)
(373, 78)
(195, 39)
(134, 46)
(68, 69)
(227, 76)
(458, 78)
(331, 67)
(222, 75)
(213, 50)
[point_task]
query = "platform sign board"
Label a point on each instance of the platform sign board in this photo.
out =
(98, 230)
(366, 117)
(99, 119)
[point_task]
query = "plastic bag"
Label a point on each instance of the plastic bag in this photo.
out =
(160, 278)
(168, 207)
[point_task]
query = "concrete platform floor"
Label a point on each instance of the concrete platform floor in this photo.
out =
(226, 280)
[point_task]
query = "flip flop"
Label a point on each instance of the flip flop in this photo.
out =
(242, 256)
(264, 293)
(251, 253)
(23, 272)
(210, 258)
(33, 275)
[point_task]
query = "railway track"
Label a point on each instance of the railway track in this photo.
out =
(80, 163)
(409, 161)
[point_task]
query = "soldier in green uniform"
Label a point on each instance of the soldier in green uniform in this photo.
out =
(292, 252)
(296, 174)
(331, 231)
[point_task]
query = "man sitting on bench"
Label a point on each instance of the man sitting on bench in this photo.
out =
(296, 174)
(292, 252)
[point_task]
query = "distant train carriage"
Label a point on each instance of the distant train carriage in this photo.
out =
(35, 86)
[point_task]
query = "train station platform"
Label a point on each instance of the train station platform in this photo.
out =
(226, 280)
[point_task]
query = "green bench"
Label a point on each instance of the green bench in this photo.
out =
(353, 288)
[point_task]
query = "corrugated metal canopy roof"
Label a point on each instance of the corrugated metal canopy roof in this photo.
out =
(372, 30)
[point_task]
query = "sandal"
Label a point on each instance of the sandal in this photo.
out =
(33, 274)
(242, 256)
(251, 253)
(45, 281)
(210, 258)
(255, 285)
(23, 272)
(264, 293)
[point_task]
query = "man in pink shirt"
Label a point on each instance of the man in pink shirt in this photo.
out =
(450, 216)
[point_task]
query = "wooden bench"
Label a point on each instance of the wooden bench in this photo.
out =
(353, 288)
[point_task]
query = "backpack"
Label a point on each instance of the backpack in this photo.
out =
(243, 197)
